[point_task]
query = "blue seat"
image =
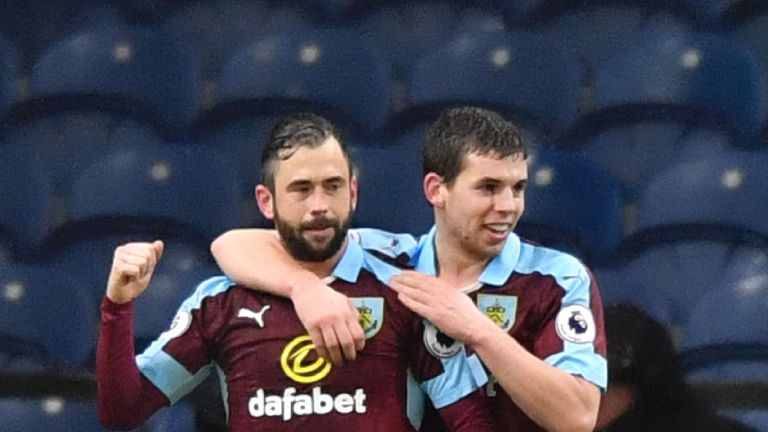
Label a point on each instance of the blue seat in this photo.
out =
(237, 23)
(27, 207)
(407, 31)
(573, 205)
(241, 141)
(730, 190)
(146, 73)
(55, 414)
(504, 71)
(337, 73)
(635, 152)
(68, 143)
(174, 189)
(52, 414)
(49, 324)
(598, 31)
(727, 333)
(756, 418)
(682, 267)
(698, 78)
(391, 192)
(619, 284)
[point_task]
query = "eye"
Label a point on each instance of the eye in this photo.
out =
(488, 187)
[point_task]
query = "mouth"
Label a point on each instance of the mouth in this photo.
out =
(498, 231)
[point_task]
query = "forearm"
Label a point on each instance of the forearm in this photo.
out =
(256, 259)
(125, 398)
(553, 398)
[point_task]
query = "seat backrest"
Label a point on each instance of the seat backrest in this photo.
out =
(339, 73)
(730, 190)
(171, 186)
(699, 77)
(46, 314)
(391, 194)
(146, 72)
(568, 194)
(27, 207)
(502, 70)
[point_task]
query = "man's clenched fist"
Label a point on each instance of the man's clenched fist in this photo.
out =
(132, 269)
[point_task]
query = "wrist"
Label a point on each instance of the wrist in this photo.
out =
(300, 282)
(484, 333)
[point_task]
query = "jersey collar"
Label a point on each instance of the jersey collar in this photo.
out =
(496, 272)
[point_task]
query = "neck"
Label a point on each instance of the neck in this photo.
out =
(454, 265)
(323, 269)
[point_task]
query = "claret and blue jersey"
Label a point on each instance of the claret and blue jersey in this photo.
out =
(272, 378)
(547, 300)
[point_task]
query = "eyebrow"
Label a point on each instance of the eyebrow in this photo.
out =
(307, 182)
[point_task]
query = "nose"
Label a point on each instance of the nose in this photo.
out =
(318, 202)
(507, 201)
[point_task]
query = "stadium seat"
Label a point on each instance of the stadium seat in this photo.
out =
(337, 73)
(727, 333)
(391, 192)
(45, 316)
(682, 266)
(241, 141)
(56, 414)
(597, 31)
(703, 79)
(756, 418)
(500, 70)
(634, 152)
(406, 31)
(619, 284)
(149, 74)
(27, 207)
(236, 23)
(172, 188)
(573, 205)
(66, 144)
(730, 190)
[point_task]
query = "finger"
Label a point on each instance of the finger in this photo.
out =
(347, 343)
(129, 271)
(317, 339)
(415, 306)
(355, 329)
(137, 261)
(412, 292)
(332, 346)
(159, 248)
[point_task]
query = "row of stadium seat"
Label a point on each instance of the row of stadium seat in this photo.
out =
(233, 18)
(53, 196)
(151, 75)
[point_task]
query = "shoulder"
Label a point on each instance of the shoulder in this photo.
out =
(396, 248)
(564, 268)
(207, 289)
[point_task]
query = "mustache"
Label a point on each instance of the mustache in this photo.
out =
(319, 223)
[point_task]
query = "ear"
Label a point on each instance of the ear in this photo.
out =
(434, 190)
(265, 201)
(353, 190)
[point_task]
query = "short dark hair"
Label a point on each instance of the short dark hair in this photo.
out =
(290, 134)
(464, 130)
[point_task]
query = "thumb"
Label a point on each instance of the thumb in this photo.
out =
(158, 246)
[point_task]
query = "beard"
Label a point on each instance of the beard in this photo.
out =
(303, 250)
